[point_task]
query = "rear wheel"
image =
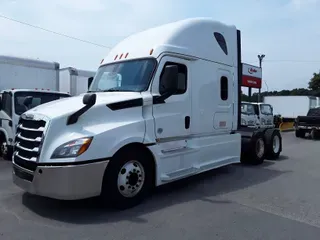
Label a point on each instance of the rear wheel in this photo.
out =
(128, 179)
(275, 145)
(256, 152)
(300, 133)
(314, 134)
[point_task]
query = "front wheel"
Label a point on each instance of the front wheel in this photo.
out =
(127, 180)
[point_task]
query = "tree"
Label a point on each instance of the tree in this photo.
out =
(314, 83)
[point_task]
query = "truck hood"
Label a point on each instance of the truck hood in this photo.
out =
(69, 105)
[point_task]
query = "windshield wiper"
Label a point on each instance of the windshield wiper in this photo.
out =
(117, 90)
(112, 90)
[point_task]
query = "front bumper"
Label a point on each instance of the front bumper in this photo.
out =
(308, 127)
(68, 182)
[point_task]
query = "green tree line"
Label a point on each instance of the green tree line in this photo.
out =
(313, 89)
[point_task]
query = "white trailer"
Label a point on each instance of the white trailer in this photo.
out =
(28, 73)
(291, 106)
(75, 81)
(165, 104)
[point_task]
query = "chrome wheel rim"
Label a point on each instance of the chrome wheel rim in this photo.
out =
(276, 144)
(131, 178)
(260, 148)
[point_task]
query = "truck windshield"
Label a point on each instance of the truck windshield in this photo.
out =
(247, 109)
(266, 109)
(314, 112)
(133, 76)
(36, 98)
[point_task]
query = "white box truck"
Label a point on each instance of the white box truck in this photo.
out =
(75, 81)
(257, 115)
(173, 111)
(28, 73)
(24, 83)
(291, 106)
(14, 102)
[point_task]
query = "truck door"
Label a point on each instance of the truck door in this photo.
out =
(6, 115)
(266, 114)
(172, 117)
(223, 117)
(258, 115)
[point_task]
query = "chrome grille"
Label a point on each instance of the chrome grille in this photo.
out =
(28, 141)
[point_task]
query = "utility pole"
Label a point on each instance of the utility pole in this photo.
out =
(260, 57)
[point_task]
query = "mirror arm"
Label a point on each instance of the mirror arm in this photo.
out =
(164, 96)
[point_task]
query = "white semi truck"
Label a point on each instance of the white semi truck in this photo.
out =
(174, 112)
(75, 81)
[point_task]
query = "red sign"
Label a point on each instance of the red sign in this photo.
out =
(251, 76)
(248, 81)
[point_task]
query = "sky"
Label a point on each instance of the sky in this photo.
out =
(286, 31)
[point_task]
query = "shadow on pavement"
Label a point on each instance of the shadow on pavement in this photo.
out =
(203, 187)
(282, 158)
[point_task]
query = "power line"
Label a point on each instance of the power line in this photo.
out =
(57, 33)
(295, 61)
(288, 61)
(100, 45)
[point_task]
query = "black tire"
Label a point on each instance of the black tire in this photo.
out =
(8, 155)
(274, 144)
(314, 134)
(300, 133)
(1, 142)
(252, 156)
(110, 193)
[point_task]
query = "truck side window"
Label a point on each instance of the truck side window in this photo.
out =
(222, 42)
(182, 75)
(7, 104)
(224, 88)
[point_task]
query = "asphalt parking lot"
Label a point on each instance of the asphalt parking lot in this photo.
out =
(277, 200)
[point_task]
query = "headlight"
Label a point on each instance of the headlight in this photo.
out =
(243, 122)
(73, 148)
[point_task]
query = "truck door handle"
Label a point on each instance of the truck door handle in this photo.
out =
(187, 122)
